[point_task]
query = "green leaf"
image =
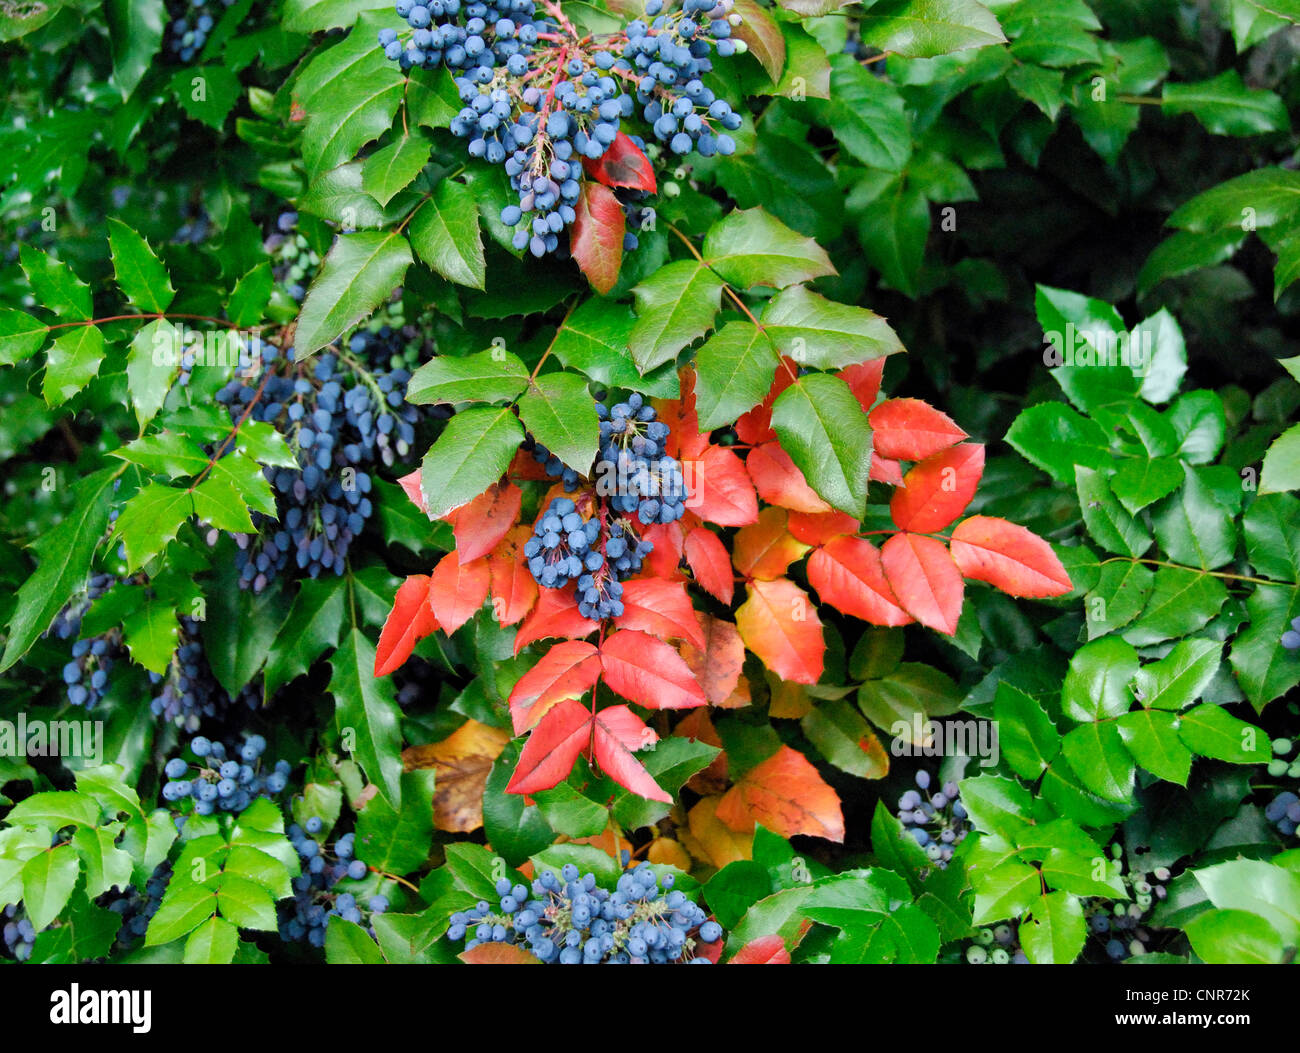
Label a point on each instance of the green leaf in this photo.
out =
(1254, 20)
(1045, 88)
(1257, 887)
(1166, 362)
(1113, 528)
(1004, 892)
(1281, 469)
(150, 520)
(359, 274)
(55, 284)
(925, 28)
(312, 628)
(347, 943)
(1225, 106)
(514, 828)
(1262, 198)
(823, 334)
(1272, 542)
(21, 336)
(398, 841)
(55, 808)
(1029, 740)
(1180, 677)
(247, 304)
(1198, 419)
(675, 305)
(470, 455)
(1186, 251)
(214, 942)
(914, 691)
(1053, 932)
(445, 234)
(570, 813)
(893, 230)
(838, 732)
(670, 762)
(151, 367)
(140, 274)
(1096, 752)
(234, 653)
(1118, 597)
(72, 362)
(866, 114)
(593, 339)
(1142, 481)
(367, 709)
(246, 903)
(560, 413)
(751, 247)
(820, 424)
(355, 106)
(309, 16)
(1211, 731)
(1182, 602)
(150, 632)
(135, 31)
(1055, 438)
(207, 93)
(48, 880)
(488, 376)
(1234, 937)
(997, 805)
(734, 370)
(1193, 528)
(337, 196)
(1097, 685)
(1152, 737)
(391, 170)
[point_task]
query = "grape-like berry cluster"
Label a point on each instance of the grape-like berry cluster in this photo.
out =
(570, 920)
(998, 945)
(937, 821)
(1117, 924)
(18, 932)
(192, 21)
(86, 674)
(633, 469)
(190, 691)
(541, 99)
(136, 907)
(314, 902)
(228, 779)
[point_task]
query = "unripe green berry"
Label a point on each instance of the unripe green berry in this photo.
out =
(1161, 873)
(1277, 768)
(984, 937)
(1000, 956)
(672, 189)
(1281, 746)
(977, 955)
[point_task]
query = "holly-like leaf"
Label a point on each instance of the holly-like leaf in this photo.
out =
(779, 624)
(925, 28)
(780, 482)
(936, 491)
(618, 731)
(410, 620)
(847, 573)
(1005, 555)
(359, 273)
(471, 454)
(567, 670)
(911, 430)
(552, 749)
(596, 237)
(445, 232)
(750, 247)
(559, 411)
(623, 164)
(720, 487)
(734, 371)
(822, 427)
(710, 563)
(366, 707)
(648, 672)
(660, 608)
(555, 614)
(457, 590)
(787, 796)
(674, 306)
(140, 274)
(925, 579)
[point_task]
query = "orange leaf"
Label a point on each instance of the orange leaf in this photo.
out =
(513, 588)
(755, 426)
(713, 840)
(847, 574)
(660, 608)
(925, 579)
(596, 237)
(883, 471)
(684, 439)
(524, 467)
(410, 620)
(911, 430)
(458, 590)
(779, 482)
(863, 380)
(555, 614)
(648, 672)
(481, 524)
(935, 491)
(766, 548)
(780, 625)
(787, 796)
(411, 484)
(567, 670)
(721, 490)
(498, 954)
(614, 752)
(710, 563)
(622, 164)
(1006, 555)
(698, 727)
(462, 763)
(766, 950)
(551, 750)
(818, 528)
(718, 659)
(667, 552)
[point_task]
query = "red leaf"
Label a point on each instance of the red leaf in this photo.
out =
(483, 522)
(524, 467)
(648, 672)
(622, 164)
(787, 796)
(718, 660)
(721, 490)
(925, 579)
(755, 426)
(410, 620)
(780, 482)
(499, 954)
(667, 552)
(766, 950)
(457, 590)
(513, 588)
(847, 574)
(883, 471)
(596, 240)
(411, 484)
(935, 491)
(685, 441)
(660, 608)
(779, 624)
(1014, 559)
(614, 752)
(766, 548)
(556, 614)
(710, 563)
(863, 380)
(567, 670)
(627, 727)
(911, 430)
(817, 528)
(551, 750)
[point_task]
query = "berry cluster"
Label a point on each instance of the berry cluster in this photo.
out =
(223, 779)
(192, 21)
(136, 907)
(1117, 925)
(1283, 811)
(937, 821)
(314, 902)
(540, 99)
(999, 945)
(632, 469)
(1291, 638)
(570, 920)
(293, 261)
(86, 675)
(190, 690)
(18, 932)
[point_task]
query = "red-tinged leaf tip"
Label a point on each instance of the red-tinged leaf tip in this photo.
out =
(884, 471)
(925, 579)
(619, 732)
(863, 379)
(779, 481)
(911, 430)
(847, 573)
(552, 749)
(648, 672)
(766, 950)
(555, 614)
(1009, 557)
(411, 484)
(410, 620)
(623, 164)
(779, 623)
(710, 563)
(660, 608)
(480, 524)
(567, 670)
(596, 237)
(938, 489)
(457, 590)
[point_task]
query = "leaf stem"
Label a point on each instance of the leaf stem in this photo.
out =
(1197, 570)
